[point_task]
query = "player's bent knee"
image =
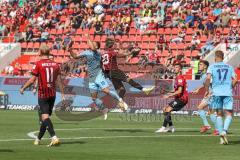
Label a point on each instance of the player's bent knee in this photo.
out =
(44, 116)
(105, 90)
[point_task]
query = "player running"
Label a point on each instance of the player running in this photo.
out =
(180, 95)
(117, 76)
(97, 81)
(223, 81)
(206, 102)
(48, 74)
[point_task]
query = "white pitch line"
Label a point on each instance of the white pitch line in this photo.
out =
(112, 137)
(32, 134)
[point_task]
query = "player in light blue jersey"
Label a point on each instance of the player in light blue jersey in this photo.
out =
(206, 102)
(223, 81)
(97, 81)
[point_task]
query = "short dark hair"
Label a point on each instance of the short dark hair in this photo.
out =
(109, 43)
(204, 62)
(178, 63)
(219, 54)
(98, 45)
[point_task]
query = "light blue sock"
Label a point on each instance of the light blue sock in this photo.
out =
(227, 122)
(99, 103)
(114, 95)
(219, 123)
(202, 114)
(213, 118)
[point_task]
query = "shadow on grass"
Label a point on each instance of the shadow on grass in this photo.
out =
(234, 142)
(6, 150)
(73, 142)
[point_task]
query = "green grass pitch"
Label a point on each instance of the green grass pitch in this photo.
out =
(114, 139)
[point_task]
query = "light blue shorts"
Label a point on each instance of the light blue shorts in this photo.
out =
(98, 83)
(222, 102)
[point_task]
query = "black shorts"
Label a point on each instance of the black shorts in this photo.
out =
(46, 105)
(177, 104)
(117, 77)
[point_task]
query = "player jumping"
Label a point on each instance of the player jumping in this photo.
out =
(206, 102)
(180, 95)
(223, 81)
(97, 81)
(117, 76)
(48, 74)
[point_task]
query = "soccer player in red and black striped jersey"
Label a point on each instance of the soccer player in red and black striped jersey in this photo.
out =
(117, 76)
(47, 73)
(180, 95)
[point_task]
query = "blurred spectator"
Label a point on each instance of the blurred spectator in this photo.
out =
(208, 46)
(200, 27)
(17, 70)
(98, 28)
(143, 61)
(9, 70)
(195, 42)
(236, 12)
(67, 42)
(217, 11)
(29, 34)
(179, 38)
(57, 43)
(2, 29)
(189, 21)
(44, 36)
(133, 51)
(162, 43)
(152, 58)
(209, 27)
(152, 28)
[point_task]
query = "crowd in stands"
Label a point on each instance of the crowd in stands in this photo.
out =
(206, 17)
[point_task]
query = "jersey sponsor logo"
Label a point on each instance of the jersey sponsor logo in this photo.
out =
(180, 80)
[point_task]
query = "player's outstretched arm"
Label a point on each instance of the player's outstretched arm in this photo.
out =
(28, 83)
(197, 90)
(90, 43)
(179, 91)
(35, 87)
(207, 84)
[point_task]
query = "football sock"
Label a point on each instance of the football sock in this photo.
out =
(99, 103)
(167, 119)
(49, 125)
(121, 92)
(114, 95)
(219, 123)
(135, 84)
(213, 118)
(227, 122)
(203, 116)
(42, 131)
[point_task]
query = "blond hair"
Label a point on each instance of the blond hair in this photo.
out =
(44, 50)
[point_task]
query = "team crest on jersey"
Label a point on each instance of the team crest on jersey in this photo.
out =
(180, 80)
